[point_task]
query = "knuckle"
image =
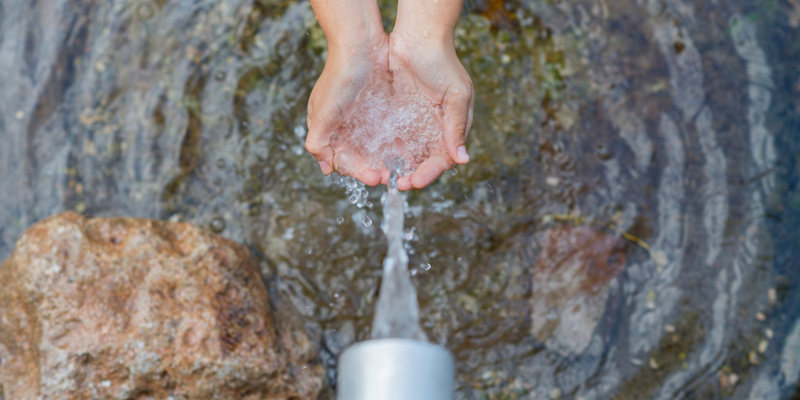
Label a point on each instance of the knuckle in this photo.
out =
(312, 147)
(461, 128)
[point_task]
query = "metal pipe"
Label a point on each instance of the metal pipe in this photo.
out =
(395, 369)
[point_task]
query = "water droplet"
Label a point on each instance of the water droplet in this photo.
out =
(425, 266)
(145, 11)
(217, 225)
(339, 220)
(220, 76)
(370, 205)
(367, 221)
(603, 152)
(455, 90)
(336, 295)
(426, 33)
(413, 272)
(353, 198)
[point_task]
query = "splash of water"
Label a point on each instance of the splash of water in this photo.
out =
(397, 313)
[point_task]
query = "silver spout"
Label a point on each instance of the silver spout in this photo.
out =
(395, 369)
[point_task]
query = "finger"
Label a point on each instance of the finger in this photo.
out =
(404, 183)
(368, 176)
(320, 127)
(350, 163)
(456, 106)
(429, 170)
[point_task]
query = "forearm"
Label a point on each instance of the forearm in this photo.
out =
(349, 25)
(433, 20)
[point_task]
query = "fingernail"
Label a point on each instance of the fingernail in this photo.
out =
(324, 166)
(462, 153)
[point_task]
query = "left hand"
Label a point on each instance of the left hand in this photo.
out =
(426, 63)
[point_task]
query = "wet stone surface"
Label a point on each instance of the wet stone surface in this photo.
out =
(131, 308)
(666, 127)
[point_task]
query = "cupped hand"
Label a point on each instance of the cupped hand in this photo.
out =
(423, 63)
(347, 71)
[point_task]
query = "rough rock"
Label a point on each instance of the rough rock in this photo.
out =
(137, 309)
(571, 281)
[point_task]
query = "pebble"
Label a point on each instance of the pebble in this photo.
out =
(762, 346)
(772, 295)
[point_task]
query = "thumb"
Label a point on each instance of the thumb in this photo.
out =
(322, 121)
(457, 107)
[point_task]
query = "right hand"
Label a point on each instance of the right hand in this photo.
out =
(346, 72)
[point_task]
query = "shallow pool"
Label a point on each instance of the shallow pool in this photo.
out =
(629, 227)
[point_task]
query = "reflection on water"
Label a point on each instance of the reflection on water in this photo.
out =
(674, 121)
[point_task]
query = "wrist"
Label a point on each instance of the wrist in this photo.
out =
(428, 22)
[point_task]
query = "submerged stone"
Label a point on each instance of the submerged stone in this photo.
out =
(570, 285)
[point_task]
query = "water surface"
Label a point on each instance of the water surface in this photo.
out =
(675, 122)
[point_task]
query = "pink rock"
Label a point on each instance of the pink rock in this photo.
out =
(127, 308)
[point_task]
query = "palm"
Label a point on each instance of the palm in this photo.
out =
(440, 76)
(332, 100)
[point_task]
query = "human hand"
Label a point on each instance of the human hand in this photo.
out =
(425, 62)
(357, 45)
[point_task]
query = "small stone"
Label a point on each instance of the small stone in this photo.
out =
(768, 333)
(105, 383)
(552, 180)
(762, 346)
(555, 394)
(772, 295)
(724, 381)
(653, 363)
(760, 316)
(753, 358)
(217, 225)
(603, 152)
(19, 115)
(669, 328)
(733, 379)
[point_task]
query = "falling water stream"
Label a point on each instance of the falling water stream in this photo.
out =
(397, 312)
